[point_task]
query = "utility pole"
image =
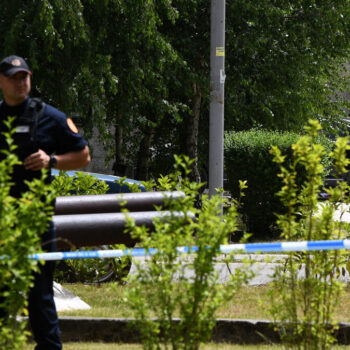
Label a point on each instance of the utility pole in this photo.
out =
(217, 84)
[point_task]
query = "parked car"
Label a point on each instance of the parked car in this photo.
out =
(110, 180)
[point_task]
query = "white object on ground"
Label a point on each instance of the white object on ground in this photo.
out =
(341, 214)
(65, 300)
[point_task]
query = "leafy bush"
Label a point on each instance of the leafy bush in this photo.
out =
(303, 306)
(81, 184)
(247, 157)
(87, 270)
(162, 288)
(22, 222)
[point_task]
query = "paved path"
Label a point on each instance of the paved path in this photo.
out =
(262, 270)
(263, 266)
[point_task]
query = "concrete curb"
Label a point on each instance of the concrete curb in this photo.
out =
(118, 330)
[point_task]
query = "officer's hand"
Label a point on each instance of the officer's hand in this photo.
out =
(37, 161)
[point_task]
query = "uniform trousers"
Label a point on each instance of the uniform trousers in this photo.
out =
(42, 310)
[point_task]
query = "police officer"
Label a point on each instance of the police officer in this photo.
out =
(52, 141)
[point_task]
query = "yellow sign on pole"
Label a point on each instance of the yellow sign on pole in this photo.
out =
(220, 51)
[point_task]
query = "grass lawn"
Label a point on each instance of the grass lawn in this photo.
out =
(104, 346)
(107, 300)
(250, 303)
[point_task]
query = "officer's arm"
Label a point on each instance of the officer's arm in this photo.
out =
(67, 161)
(73, 160)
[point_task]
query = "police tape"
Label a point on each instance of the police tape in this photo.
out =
(225, 249)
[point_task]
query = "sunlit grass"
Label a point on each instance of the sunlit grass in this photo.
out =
(211, 346)
(250, 302)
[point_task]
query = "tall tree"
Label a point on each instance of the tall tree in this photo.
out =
(52, 35)
(284, 62)
(189, 36)
(142, 67)
(127, 31)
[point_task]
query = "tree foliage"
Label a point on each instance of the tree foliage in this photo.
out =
(139, 70)
(55, 39)
(140, 58)
(285, 61)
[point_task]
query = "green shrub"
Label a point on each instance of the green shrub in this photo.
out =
(86, 270)
(162, 287)
(303, 306)
(22, 221)
(81, 184)
(247, 157)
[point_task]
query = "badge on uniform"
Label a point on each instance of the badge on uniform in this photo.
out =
(72, 126)
(22, 129)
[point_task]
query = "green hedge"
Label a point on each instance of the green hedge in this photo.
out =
(247, 157)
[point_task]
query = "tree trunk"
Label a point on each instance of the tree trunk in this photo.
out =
(143, 155)
(191, 143)
(118, 143)
(119, 166)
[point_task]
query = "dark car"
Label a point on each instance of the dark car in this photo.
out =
(110, 180)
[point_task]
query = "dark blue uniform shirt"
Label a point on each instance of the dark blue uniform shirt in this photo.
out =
(53, 135)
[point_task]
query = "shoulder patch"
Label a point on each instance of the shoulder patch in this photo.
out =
(72, 126)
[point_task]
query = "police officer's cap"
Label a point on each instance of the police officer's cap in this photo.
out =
(13, 64)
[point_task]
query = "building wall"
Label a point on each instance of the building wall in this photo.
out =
(98, 163)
